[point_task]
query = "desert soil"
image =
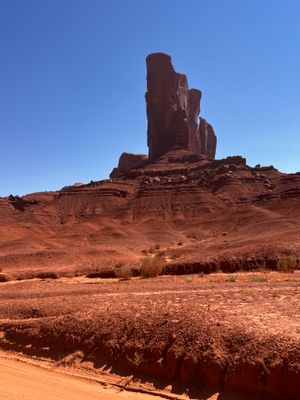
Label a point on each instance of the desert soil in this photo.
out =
(22, 381)
(235, 333)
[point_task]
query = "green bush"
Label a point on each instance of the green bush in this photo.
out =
(152, 266)
(287, 263)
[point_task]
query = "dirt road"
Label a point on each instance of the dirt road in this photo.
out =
(19, 380)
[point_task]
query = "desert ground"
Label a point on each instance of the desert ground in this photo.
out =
(21, 380)
(195, 336)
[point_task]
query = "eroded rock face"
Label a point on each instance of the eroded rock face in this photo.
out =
(194, 97)
(167, 106)
(208, 139)
(173, 111)
(173, 116)
(128, 161)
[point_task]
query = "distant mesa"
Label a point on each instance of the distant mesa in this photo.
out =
(173, 116)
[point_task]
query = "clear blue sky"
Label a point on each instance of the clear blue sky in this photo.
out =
(72, 82)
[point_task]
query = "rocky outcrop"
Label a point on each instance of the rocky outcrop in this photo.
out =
(167, 106)
(173, 110)
(128, 161)
(194, 97)
(173, 116)
(208, 139)
(20, 203)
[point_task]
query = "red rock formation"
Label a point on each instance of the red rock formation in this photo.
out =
(128, 161)
(167, 105)
(173, 116)
(208, 139)
(173, 110)
(194, 97)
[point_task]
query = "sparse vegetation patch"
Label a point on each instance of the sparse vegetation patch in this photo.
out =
(287, 263)
(123, 271)
(258, 278)
(152, 266)
(232, 278)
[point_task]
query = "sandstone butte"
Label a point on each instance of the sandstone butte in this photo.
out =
(223, 213)
(173, 116)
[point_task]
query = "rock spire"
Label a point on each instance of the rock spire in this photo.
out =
(173, 111)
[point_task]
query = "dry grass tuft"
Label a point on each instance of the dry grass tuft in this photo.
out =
(287, 263)
(152, 266)
(123, 271)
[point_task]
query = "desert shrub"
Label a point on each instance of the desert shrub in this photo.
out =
(258, 278)
(136, 360)
(71, 359)
(287, 263)
(122, 271)
(232, 278)
(152, 266)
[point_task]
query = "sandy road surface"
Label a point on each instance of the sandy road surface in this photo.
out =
(19, 380)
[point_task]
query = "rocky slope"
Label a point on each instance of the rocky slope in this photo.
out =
(192, 207)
